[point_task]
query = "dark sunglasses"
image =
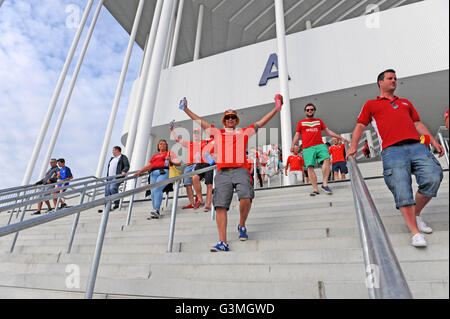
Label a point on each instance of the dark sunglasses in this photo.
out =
(230, 117)
(310, 110)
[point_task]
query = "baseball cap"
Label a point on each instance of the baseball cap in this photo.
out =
(230, 112)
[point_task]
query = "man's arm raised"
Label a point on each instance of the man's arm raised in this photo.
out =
(205, 125)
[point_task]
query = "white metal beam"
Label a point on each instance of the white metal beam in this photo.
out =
(176, 35)
(144, 127)
(305, 15)
(259, 17)
(238, 13)
(346, 13)
(285, 115)
(328, 12)
(143, 80)
(55, 96)
(198, 37)
(274, 23)
(397, 4)
(123, 73)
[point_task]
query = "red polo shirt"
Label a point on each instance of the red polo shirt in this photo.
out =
(393, 120)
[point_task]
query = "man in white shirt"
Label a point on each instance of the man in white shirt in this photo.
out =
(118, 165)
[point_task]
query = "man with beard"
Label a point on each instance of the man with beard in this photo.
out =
(314, 149)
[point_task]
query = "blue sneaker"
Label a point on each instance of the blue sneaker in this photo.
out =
(221, 246)
(242, 233)
(327, 190)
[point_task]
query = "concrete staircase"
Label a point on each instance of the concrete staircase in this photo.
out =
(299, 247)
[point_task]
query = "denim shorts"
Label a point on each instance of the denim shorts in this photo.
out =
(399, 162)
(188, 169)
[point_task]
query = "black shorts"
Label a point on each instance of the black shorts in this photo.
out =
(208, 176)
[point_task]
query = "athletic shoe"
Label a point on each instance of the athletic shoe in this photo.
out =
(423, 227)
(418, 240)
(63, 205)
(36, 213)
(242, 233)
(221, 246)
(327, 190)
(49, 210)
(190, 206)
(314, 193)
(207, 209)
(154, 215)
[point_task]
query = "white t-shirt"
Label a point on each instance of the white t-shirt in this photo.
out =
(113, 166)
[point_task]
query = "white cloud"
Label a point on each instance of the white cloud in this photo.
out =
(34, 41)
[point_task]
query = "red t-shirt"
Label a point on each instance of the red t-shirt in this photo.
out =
(446, 114)
(311, 132)
(392, 120)
(231, 146)
(195, 150)
(295, 163)
(158, 161)
(337, 152)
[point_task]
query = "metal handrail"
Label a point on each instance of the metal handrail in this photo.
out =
(13, 190)
(444, 142)
(40, 220)
(99, 184)
(384, 276)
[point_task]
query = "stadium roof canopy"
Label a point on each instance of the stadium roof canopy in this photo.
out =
(231, 24)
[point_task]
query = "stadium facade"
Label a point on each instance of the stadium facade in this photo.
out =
(238, 54)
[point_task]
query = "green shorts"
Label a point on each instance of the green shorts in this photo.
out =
(315, 153)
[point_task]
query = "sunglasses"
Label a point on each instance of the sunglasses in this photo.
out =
(230, 117)
(310, 110)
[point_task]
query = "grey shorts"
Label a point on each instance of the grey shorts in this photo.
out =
(227, 181)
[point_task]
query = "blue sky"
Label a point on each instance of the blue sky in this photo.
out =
(35, 37)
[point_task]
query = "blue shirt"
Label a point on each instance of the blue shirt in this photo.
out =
(65, 173)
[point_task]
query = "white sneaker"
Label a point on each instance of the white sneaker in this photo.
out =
(418, 240)
(423, 227)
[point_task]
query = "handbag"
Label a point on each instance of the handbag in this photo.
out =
(174, 172)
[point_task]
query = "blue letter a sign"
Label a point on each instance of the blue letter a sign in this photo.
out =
(268, 73)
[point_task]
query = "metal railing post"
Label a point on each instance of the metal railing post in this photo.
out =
(444, 145)
(213, 209)
(97, 252)
(75, 224)
(174, 215)
(24, 209)
(130, 205)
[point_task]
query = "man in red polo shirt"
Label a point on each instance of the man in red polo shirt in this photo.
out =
(399, 129)
(232, 166)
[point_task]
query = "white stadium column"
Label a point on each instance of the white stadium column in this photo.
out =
(119, 90)
(176, 35)
(151, 89)
(56, 93)
(286, 127)
(198, 37)
(143, 80)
